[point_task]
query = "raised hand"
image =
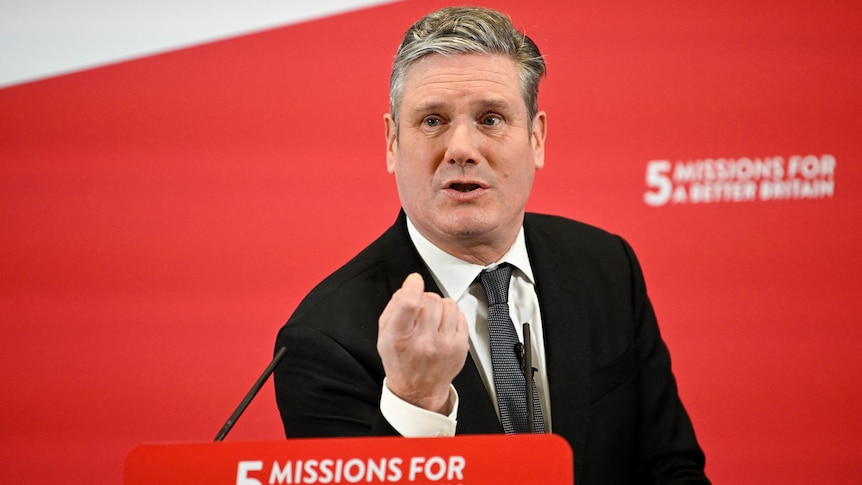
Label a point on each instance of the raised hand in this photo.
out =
(423, 343)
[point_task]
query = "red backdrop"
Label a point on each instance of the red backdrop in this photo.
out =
(162, 217)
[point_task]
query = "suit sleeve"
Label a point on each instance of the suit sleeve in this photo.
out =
(668, 452)
(325, 389)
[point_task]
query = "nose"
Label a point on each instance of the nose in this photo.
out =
(462, 145)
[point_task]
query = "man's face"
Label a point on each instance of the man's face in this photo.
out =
(464, 152)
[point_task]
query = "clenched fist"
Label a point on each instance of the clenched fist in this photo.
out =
(423, 343)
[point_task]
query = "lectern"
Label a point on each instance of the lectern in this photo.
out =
(460, 460)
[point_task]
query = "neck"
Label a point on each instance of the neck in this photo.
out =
(480, 250)
(480, 254)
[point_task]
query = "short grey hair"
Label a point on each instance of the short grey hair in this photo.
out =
(468, 30)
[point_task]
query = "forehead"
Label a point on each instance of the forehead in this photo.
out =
(436, 77)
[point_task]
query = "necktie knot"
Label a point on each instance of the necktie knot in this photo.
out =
(495, 282)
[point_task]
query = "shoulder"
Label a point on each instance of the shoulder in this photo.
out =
(567, 243)
(571, 235)
(563, 226)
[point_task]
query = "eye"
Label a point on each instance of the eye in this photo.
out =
(491, 120)
(431, 121)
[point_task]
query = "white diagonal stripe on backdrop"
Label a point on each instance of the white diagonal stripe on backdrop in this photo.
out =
(42, 38)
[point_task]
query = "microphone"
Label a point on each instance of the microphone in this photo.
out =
(251, 394)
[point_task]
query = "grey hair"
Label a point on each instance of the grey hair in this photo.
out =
(468, 30)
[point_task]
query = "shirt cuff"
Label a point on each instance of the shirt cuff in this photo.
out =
(414, 422)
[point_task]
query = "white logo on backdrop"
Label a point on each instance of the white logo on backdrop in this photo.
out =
(743, 179)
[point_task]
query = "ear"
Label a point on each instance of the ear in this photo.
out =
(390, 128)
(537, 138)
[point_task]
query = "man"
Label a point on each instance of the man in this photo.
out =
(401, 340)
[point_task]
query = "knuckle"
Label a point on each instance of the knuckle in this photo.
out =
(431, 299)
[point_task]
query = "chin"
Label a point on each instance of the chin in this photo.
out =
(466, 226)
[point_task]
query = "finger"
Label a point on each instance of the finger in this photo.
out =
(450, 316)
(430, 315)
(462, 328)
(414, 284)
(400, 313)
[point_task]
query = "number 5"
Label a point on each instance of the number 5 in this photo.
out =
(242, 472)
(657, 178)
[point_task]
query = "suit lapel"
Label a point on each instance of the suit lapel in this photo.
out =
(565, 324)
(401, 257)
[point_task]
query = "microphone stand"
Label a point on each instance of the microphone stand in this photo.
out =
(528, 377)
(253, 392)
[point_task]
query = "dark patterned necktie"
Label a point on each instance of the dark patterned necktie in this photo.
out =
(506, 355)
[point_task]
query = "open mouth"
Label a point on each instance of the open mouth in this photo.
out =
(464, 187)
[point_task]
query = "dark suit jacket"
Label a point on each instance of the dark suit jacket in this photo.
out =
(613, 396)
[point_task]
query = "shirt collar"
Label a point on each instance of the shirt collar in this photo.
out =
(453, 275)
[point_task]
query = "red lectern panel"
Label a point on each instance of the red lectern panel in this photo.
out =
(461, 460)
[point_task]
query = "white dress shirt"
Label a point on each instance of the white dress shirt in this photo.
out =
(457, 280)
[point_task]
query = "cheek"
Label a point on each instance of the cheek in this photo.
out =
(413, 177)
(421, 163)
(519, 182)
